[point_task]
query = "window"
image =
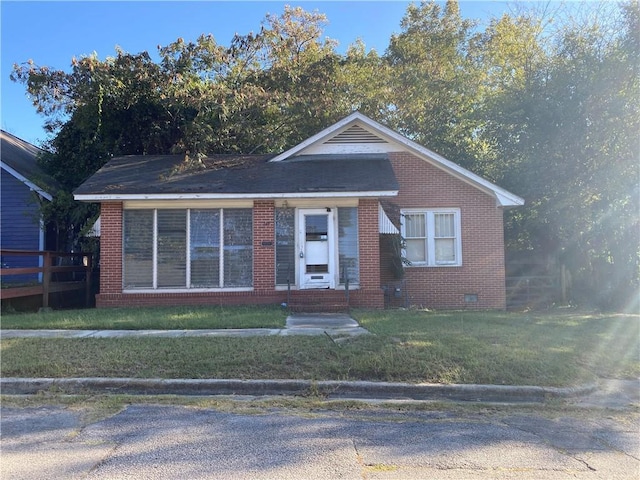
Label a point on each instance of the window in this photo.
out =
(348, 245)
(180, 248)
(432, 237)
(204, 233)
(285, 222)
(137, 247)
(171, 256)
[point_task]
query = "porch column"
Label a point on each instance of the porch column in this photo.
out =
(369, 243)
(111, 247)
(264, 253)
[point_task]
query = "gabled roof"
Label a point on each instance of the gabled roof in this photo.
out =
(239, 176)
(360, 129)
(18, 158)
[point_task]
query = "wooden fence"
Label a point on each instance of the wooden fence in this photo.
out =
(51, 278)
(538, 290)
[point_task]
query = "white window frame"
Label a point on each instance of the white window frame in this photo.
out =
(430, 240)
(187, 287)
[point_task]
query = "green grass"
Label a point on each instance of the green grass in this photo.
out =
(174, 318)
(556, 349)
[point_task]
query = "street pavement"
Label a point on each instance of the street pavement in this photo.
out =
(593, 433)
(180, 442)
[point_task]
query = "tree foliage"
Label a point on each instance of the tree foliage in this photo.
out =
(545, 105)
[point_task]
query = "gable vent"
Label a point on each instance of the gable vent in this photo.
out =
(355, 134)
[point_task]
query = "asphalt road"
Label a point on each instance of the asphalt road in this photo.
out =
(178, 442)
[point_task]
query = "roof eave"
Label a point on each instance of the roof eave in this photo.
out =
(503, 197)
(92, 197)
(32, 186)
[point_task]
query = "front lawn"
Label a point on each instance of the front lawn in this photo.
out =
(172, 318)
(555, 349)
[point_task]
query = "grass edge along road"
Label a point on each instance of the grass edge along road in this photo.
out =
(560, 348)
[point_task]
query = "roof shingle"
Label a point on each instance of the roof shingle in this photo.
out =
(241, 174)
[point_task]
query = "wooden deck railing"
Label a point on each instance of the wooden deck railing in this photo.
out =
(49, 284)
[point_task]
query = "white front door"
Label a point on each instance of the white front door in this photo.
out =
(316, 240)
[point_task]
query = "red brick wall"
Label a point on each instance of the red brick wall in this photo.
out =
(422, 186)
(482, 272)
(369, 295)
(110, 247)
(264, 256)
(369, 249)
(358, 298)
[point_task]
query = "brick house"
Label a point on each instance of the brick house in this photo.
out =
(317, 226)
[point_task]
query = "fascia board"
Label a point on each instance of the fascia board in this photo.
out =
(503, 197)
(32, 186)
(230, 196)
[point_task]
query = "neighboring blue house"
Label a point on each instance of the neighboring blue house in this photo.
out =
(23, 186)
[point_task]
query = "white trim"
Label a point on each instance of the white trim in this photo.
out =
(154, 255)
(221, 245)
(187, 279)
(187, 290)
(430, 239)
(32, 186)
(319, 137)
(197, 204)
(231, 196)
(503, 197)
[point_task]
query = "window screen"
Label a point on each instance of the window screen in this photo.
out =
(238, 247)
(204, 243)
(415, 237)
(432, 237)
(209, 254)
(137, 249)
(445, 237)
(172, 248)
(285, 245)
(348, 245)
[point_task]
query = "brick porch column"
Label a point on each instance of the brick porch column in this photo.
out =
(110, 247)
(369, 243)
(264, 253)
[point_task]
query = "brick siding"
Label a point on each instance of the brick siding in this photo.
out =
(482, 272)
(110, 248)
(421, 186)
(264, 291)
(264, 250)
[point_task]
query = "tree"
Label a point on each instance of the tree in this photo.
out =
(434, 80)
(564, 135)
(263, 93)
(548, 109)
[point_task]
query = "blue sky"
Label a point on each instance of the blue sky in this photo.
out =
(51, 33)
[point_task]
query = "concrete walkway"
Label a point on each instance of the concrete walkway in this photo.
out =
(336, 325)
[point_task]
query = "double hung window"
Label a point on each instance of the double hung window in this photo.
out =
(187, 248)
(432, 237)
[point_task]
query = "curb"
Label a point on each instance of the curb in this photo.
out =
(328, 388)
